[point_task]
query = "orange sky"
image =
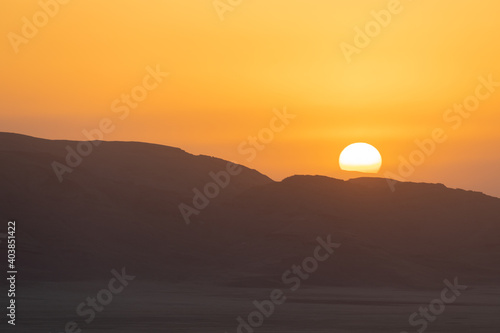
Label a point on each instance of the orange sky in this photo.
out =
(227, 76)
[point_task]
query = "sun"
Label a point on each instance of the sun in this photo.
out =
(360, 157)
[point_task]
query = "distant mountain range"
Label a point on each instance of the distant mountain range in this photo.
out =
(120, 206)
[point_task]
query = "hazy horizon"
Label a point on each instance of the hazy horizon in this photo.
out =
(344, 175)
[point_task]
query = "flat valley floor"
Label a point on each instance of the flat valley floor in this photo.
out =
(157, 307)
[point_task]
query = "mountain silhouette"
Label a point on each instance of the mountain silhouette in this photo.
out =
(120, 208)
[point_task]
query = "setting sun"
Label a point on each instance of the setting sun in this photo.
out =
(360, 157)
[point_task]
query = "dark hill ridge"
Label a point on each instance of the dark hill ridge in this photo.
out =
(151, 165)
(385, 235)
(120, 208)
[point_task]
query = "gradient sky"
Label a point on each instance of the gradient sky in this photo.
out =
(227, 76)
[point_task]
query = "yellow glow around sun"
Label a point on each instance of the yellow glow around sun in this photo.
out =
(360, 157)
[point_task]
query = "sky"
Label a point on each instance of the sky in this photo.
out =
(281, 86)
